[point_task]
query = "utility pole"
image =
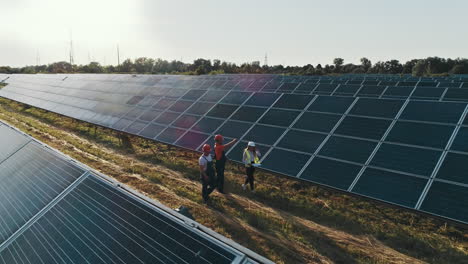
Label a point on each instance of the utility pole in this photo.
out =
(38, 58)
(118, 56)
(71, 49)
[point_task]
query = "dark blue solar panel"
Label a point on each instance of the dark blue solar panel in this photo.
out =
(234, 129)
(433, 111)
(180, 106)
(347, 89)
(150, 115)
(166, 118)
(29, 180)
(262, 99)
(248, 113)
(146, 107)
(152, 130)
(192, 140)
(96, 223)
(456, 94)
(279, 117)
(320, 122)
(10, 141)
(136, 127)
(200, 108)
(293, 101)
(235, 98)
(373, 91)
(301, 141)
(331, 104)
(332, 173)
(429, 135)
(286, 162)
(376, 107)
(391, 187)
(207, 125)
(454, 168)
(447, 200)
(367, 128)
(325, 88)
(185, 121)
(213, 96)
(406, 159)
(193, 94)
(349, 149)
(264, 134)
(428, 93)
(222, 110)
(397, 92)
(170, 135)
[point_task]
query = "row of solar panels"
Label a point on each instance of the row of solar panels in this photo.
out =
(229, 80)
(242, 81)
(411, 153)
(101, 90)
(56, 210)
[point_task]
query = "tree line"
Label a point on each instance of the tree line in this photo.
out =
(418, 67)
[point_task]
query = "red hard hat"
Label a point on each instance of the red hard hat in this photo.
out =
(218, 137)
(206, 148)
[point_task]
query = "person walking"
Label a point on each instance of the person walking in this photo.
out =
(251, 159)
(207, 173)
(221, 159)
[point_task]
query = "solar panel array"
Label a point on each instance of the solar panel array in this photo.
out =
(55, 210)
(402, 150)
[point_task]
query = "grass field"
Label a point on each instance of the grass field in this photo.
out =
(285, 220)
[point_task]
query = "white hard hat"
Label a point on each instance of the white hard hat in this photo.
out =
(251, 144)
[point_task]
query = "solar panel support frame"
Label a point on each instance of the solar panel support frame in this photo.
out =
(226, 243)
(377, 147)
(256, 122)
(343, 116)
(44, 210)
(14, 152)
(441, 160)
(185, 220)
(288, 128)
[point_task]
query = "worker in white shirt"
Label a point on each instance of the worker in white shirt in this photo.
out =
(207, 173)
(251, 158)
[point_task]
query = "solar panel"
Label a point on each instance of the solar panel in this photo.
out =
(353, 134)
(54, 209)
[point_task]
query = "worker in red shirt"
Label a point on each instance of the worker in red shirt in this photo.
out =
(221, 159)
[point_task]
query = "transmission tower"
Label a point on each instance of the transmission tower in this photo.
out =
(38, 58)
(265, 62)
(72, 60)
(118, 56)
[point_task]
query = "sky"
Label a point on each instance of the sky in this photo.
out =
(294, 32)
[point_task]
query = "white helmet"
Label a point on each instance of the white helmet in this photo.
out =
(251, 144)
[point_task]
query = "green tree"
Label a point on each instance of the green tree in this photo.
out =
(420, 68)
(127, 66)
(408, 66)
(366, 64)
(60, 67)
(93, 67)
(393, 67)
(144, 65)
(338, 62)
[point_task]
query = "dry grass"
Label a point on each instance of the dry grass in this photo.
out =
(285, 220)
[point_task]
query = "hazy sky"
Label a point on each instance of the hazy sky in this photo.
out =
(290, 32)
